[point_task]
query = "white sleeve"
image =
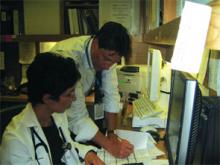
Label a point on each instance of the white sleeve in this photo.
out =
(13, 151)
(111, 98)
(80, 149)
(79, 121)
(83, 149)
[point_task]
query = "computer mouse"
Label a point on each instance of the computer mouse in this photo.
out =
(155, 135)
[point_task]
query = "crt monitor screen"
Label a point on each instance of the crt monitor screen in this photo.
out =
(183, 118)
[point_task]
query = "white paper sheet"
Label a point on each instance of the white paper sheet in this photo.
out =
(138, 139)
(144, 149)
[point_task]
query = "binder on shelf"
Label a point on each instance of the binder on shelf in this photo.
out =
(82, 21)
(6, 21)
(16, 21)
(73, 21)
(84, 14)
(85, 29)
(11, 17)
(90, 20)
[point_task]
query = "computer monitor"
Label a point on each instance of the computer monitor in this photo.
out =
(183, 118)
(154, 63)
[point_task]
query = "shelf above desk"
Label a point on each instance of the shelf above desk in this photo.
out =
(22, 98)
(35, 38)
(166, 34)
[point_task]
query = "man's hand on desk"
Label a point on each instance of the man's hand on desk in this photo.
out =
(121, 148)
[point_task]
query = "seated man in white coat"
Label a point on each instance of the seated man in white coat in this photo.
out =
(40, 134)
(98, 54)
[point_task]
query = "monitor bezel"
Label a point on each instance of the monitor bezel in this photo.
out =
(186, 117)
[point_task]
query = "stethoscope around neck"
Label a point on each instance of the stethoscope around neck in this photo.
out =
(87, 50)
(66, 146)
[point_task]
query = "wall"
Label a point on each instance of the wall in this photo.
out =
(42, 17)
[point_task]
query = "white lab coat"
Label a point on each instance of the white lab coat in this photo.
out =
(79, 121)
(17, 145)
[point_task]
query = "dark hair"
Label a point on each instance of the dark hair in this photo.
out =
(113, 36)
(51, 74)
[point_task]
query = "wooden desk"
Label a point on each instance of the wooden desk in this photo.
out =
(125, 122)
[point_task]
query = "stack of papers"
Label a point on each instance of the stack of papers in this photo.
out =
(144, 149)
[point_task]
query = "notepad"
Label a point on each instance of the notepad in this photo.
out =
(144, 149)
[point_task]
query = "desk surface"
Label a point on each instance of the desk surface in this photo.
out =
(125, 122)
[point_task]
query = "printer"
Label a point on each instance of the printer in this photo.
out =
(132, 79)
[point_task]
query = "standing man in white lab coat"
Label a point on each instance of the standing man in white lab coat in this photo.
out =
(98, 54)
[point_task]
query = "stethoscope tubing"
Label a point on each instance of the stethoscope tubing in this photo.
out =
(66, 146)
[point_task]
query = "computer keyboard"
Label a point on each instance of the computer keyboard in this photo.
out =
(143, 107)
(137, 158)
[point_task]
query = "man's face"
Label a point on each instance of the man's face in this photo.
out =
(103, 59)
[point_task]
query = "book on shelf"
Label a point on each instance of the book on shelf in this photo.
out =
(92, 20)
(73, 21)
(6, 21)
(16, 22)
(81, 24)
(82, 21)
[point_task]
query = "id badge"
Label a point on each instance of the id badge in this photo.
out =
(98, 111)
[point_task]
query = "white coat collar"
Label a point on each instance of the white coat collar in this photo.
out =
(30, 118)
(87, 60)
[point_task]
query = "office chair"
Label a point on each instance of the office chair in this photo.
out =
(6, 114)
